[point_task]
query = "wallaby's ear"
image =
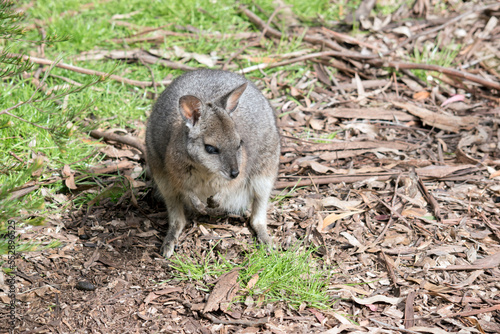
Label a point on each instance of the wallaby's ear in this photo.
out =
(230, 101)
(190, 108)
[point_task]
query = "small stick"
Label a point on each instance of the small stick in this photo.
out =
(474, 312)
(291, 61)
(331, 179)
(397, 329)
(390, 272)
(127, 140)
(15, 156)
(269, 22)
(394, 212)
(152, 75)
(142, 84)
(237, 53)
(436, 68)
(248, 323)
(313, 40)
(430, 199)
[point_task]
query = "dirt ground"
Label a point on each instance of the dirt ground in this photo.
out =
(403, 205)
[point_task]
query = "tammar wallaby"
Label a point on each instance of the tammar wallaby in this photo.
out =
(212, 141)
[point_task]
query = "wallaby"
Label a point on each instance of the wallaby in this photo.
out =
(212, 141)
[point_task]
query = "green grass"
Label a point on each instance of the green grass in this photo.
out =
(286, 193)
(198, 268)
(433, 55)
(292, 276)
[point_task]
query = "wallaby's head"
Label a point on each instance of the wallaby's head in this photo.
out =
(212, 139)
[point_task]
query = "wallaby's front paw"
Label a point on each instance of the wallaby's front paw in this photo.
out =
(211, 203)
(167, 249)
(198, 205)
(265, 239)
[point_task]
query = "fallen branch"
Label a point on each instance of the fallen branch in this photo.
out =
(271, 32)
(450, 123)
(164, 33)
(447, 71)
(291, 61)
(42, 61)
(354, 145)
(474, 312)
(127, 140)
(332, 179)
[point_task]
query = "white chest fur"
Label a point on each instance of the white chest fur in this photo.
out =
(233, 196)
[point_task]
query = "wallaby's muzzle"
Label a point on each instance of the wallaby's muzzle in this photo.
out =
(234, 173)
(230, 165)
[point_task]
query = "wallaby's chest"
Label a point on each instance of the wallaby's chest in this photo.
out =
(232, 196)
(203, 185)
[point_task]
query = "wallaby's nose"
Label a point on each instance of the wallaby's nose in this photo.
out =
(234, 173)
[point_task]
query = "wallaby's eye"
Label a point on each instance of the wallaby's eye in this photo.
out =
(241, 144)
(211, 149)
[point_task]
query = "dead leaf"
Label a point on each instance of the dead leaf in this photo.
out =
(333, 217)
(204, 59)
(124, 16)
(422, 95)
(221, 290)
(342, 205)
(429, 286)
(441, 121)
(251, 283)
(440, 171)
(378, 299)
(114, 152)
(69, 180)
(321, 318)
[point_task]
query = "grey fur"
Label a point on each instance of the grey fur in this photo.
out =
(241, 126)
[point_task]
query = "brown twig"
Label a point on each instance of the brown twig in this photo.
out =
(142, 84)
(390, 272)
(429, 198)
(267, 26)
(474, 312)
(331, 179)
(447, 71)
(394, 212)
(291, 61)
(75, 83)
(127, 140)
(132, 40)
(308, 38)
(237, 53)
(152, 74)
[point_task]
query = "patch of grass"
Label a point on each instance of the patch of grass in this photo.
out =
(198, 268)
(311, 135)
(433, 55)
(326, 137)
(291, 276)
(387, 7)
(285, 193)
